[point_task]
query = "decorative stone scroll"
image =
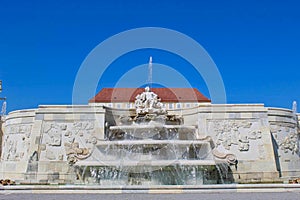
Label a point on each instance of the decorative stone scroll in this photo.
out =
(234, 132)
(75, 153)
(230, 158)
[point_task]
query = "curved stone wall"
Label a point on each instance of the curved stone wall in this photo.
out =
(37, 143)
(17, 141)
(40, 144)
(284, 128)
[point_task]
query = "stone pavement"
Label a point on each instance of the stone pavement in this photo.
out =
(171, 189)
(134, 196)
(207, 192)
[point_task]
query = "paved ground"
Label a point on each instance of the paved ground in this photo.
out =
(203, 192)
(192, 196)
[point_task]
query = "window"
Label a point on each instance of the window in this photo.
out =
(170, 106)
(188, 105)
(178, 105)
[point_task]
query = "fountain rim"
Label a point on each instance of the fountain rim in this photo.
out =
(151, 142)
(149, 126)
(147, 163)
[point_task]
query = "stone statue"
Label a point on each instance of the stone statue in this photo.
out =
(148, 102)
(148, 98)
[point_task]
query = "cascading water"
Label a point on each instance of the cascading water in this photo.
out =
(154, 148)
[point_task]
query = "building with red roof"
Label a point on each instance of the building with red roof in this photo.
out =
(172, 98)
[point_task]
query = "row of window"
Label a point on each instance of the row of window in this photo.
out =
(168, 105)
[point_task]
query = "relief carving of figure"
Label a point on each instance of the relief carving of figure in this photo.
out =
(290, 143)
(12, 150)
(287, 137)
(54, 134)
(235, 132)
(17, 142)
(58, 133)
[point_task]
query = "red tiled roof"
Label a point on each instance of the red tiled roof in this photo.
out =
(107, 95)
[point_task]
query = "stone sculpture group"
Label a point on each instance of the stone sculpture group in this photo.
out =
(148, 102)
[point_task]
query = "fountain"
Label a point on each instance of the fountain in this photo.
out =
(148, 146)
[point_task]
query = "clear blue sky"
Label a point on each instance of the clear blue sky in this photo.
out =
(255, 45)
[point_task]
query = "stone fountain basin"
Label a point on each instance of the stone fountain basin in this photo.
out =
(144, 163)
(150, 142)
(149, 166)
(155, 150)
(141, 131)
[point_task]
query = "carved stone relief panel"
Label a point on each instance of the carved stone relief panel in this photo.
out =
(52, 134)
(286, 136)
(229, 132)
(70, 141)
(16, 141)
